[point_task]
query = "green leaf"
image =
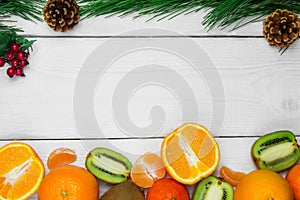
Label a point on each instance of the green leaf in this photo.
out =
(9, 37)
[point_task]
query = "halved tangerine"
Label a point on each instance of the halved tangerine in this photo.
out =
(190, 153)
(60, 157)
(148, 169)
(21, 171)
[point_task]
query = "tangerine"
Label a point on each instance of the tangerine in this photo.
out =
(190, 153)
(263, 184)
(21, 171)
(67, 183)
(147, 169)
(293, 178)
(167, 189)
(60, 157)
(230, 176)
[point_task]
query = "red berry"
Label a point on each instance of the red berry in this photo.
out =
(19, 71)
(10, 55)
(14, 63)
(2, 62)
(10, 72)
(23, 63)
(14, 47)
(21, 55)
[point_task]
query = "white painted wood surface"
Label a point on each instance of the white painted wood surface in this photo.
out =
(261, 88)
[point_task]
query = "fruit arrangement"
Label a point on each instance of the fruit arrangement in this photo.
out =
(189, 156)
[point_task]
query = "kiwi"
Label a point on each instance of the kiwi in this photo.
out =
(213, 188)
(276, 151)
(124, 191)
(108, 165)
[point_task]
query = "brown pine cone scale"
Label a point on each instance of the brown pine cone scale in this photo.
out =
(61, 15)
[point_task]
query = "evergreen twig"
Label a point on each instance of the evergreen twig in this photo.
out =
(27, 9)
(222, 13)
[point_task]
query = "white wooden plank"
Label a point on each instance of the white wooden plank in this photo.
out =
(103, 26)
(235, 152)
(261, 88)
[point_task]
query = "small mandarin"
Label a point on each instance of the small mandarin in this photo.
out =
(167, 189)
(230, 176)
(60, 157)
(147, 169)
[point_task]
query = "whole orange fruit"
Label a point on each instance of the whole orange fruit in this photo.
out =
(67, 183)
(263, 184)
(293, 178)
(167, 189)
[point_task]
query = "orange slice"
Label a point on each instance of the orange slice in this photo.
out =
(190, 153)
(148, 169)
(60, 157)
(21, 171)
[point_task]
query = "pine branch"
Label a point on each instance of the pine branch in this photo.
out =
(221, 13)
(26, 9)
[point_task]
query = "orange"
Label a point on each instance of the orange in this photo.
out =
(68, 183)
(60, 157)
(190, 153)
(263, 184)
(21, 171)
(231, 177)
(293, 178)
(167, 189)
(147, 169)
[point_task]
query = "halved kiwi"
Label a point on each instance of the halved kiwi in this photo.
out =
(213, 188)
(108, 165)
(276, 151)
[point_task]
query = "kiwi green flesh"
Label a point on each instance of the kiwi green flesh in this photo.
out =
(108, 165)
(213, 188)
(280, 163)
(124, 191)
(276, 151)
(103, 174)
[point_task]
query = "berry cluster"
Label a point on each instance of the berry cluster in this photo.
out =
(17, 60)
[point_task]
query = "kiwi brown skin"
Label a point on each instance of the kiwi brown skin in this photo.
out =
(256, 160)
(124, 191)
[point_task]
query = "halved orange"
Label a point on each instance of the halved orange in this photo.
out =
(60, 157)
(190, 153)
(21, 171)
(147, 170)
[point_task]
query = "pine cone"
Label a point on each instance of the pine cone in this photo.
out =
(61, 15)
(281, 28)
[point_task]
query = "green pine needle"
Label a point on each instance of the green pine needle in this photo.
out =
(221, 13)
(27, 9)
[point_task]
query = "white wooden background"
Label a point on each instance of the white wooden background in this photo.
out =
(261, 88)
